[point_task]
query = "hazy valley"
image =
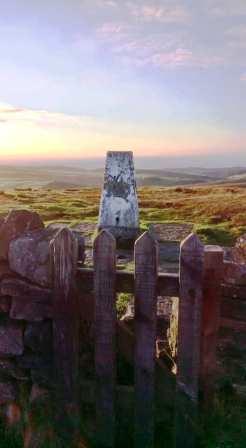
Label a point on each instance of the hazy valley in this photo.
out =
(76, 176)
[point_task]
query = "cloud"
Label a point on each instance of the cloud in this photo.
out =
(113, 33)
(110, 28)
(6, 108)
(163, 53)
(131, 42)
(227, 8)
(181, 57)
(43, 118)
(142, 40)
(243, 77)
(109, 3)
(237, 36)
(159, 13)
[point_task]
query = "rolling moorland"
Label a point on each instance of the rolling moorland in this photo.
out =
(217, 209)
(75, 175)
(214, 200)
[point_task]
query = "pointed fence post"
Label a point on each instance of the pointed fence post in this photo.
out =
(189, 340)
(212, 290)
(146, 272)
(105, 333)
(64, 256)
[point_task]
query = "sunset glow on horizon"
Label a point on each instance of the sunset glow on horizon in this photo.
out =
(80, 78)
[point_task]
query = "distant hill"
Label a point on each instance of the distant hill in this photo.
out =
(61, 177)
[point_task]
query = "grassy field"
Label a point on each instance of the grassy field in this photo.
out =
(218, 212)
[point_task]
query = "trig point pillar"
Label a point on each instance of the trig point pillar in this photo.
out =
(119, 204)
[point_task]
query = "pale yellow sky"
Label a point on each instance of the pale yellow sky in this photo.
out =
(33, 134)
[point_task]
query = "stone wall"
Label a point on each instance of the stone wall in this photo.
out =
(25, 310)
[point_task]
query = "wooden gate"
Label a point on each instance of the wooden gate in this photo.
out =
(198, 287)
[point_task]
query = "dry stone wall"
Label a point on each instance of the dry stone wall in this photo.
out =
(25, 308)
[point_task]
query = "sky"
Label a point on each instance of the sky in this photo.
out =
(165, 79)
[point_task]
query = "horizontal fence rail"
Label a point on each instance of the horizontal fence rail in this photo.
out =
(167, 284)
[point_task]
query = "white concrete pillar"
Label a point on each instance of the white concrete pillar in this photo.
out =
(119, 204)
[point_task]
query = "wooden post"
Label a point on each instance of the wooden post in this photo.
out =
(105, 334)
(189, 339)
(64, 255)
(146, 272)
(212, 289)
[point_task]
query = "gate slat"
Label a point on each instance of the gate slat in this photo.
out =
(105, 333)
(64, 257)
(146, 271)
(212, 292)
(189, 339)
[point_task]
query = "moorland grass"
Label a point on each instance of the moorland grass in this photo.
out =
(218, 212)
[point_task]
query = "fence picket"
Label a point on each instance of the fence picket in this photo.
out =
(189, 339)
(146, 272)
(64, 256)
(105, 331)
(212, 291)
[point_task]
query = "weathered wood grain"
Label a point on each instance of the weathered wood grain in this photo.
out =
(105, 332)
(146, 272)
(212, 293)
(168, 284)
(189, 338)
(64, 255)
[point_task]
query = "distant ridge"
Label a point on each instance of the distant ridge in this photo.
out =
(61, 177)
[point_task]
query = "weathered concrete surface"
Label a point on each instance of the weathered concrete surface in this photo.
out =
(119, 204)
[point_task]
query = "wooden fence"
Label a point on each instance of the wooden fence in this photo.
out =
(198, 286)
